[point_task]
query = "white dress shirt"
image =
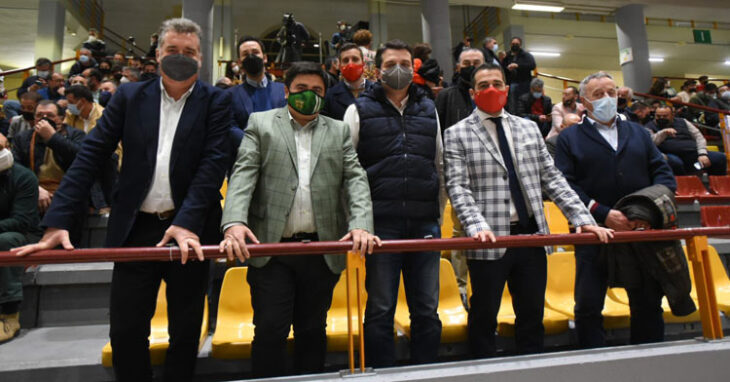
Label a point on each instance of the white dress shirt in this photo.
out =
(301, 218)
(352, 118)
(609, 133)
(492, 130)
(159, 197)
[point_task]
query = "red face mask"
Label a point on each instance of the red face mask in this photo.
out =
(352, 72)
(491, 100)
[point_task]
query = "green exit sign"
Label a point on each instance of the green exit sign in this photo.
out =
(702, 36)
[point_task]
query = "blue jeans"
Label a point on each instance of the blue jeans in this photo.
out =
(421, 280)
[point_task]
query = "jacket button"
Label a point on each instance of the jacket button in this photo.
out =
(293, 188)
(504, 177)
(506, 200)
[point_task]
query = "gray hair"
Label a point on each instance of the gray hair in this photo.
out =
(488, 39)
(629, 90)
(468, 50)
(180, 25)
(133, 71)
(594, 76)
(536, 83)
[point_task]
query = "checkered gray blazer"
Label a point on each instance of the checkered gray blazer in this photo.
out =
(478, 185)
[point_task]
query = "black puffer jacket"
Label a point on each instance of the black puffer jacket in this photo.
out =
(664, 261)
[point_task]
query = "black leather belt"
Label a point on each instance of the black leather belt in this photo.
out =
(166, 215)
(302, 236)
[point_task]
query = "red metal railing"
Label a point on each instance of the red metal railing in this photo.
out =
(696, 238)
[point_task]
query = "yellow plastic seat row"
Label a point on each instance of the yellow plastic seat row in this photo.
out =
(559, 295)
(159, 337)
(720, 278)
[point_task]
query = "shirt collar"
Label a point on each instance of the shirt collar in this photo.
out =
(483, 116)
(167, 97)
(597, 124)
(358, 86)
(296, 124)
(261, 84)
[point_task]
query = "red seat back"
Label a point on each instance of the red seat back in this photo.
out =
(690, 186)
(720, 185)
(715, 216)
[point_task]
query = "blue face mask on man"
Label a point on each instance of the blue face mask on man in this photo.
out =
(604, 109)
(536, 95)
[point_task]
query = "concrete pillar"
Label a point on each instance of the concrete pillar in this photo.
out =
(378, 23)
(631, 34)
(436, 30)
(201, 11)
(224, 48)
(51, 24)
(510, 32)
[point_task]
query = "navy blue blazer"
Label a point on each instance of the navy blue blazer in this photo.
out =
(242, 105)
(198, 160)
(338, 99)
(596, 172)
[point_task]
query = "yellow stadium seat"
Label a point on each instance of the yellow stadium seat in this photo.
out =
(557, 223)
(447, 226)
(451, 310)
(234, 326)
(713, 148)
(159, 338)
(337, 317)
(720, 277)
(224, 190)
(560, 290)
(619, 295)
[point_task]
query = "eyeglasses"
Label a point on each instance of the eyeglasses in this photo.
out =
(45, 115)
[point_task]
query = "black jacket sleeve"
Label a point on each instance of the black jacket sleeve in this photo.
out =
(65, 148)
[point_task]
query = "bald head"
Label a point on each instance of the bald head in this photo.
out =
(571, 119)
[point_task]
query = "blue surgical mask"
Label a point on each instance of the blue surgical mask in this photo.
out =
(604, 109)
(725, 95)
(536, 95)
(73, 109)
(84, 59)
(495, 48)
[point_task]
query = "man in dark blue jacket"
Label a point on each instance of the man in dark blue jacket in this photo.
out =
(604, 159)
(258, 92)
(174, 133)
(396, 132)
(343, 94)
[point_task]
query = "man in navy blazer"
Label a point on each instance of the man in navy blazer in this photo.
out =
(604, 159)
(354, 83)
(174, 133)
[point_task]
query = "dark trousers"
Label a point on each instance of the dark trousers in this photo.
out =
(525, 272)
(11, 278)
(290, 290)
(647, 322)
(133, 301)
(421, 281)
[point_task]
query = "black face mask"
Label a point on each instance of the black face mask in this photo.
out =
(179, 67)
(118, 76)
(622, 102)
(515, 48)
(569, 102)
(662, 122)
(27, 115)
(50, 122)
(147, 76)
(253, 65)
(466, 73)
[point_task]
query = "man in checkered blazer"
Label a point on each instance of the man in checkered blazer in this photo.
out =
(497, 167)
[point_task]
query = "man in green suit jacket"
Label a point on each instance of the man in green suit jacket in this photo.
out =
(296, 177)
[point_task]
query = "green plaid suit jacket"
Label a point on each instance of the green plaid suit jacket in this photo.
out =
(265, 178)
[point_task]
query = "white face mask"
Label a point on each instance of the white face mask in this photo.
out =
(124, 80)
(6, 160)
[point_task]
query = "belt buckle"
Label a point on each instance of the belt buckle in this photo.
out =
(165, 215)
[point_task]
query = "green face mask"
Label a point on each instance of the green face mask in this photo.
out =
(306, 102)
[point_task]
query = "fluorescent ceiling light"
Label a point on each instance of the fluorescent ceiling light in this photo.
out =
(546, 54)
(537, 7)
(727, 62)
(656, 59)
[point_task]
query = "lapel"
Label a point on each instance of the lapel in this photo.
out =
(149, 114)
(592, 132)
(287, 132)
(318, 137)
(518, 138)
(481, 132)
(623, 135)
(187, 120)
